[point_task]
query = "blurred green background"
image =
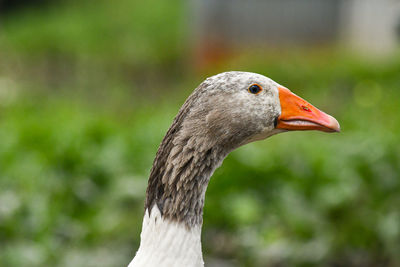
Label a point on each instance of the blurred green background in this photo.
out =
(89, 88)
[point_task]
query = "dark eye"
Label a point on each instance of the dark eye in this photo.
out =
(254, 89)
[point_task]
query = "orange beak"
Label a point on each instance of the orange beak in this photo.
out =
(298, 114)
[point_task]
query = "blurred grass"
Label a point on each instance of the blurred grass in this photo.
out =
(87, 93)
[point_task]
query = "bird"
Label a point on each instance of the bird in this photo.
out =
(224, 112)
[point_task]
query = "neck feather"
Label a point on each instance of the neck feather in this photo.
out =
(171, 231)
(180, 176)
(185, 160)
(194, 146)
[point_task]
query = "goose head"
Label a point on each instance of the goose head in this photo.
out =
(224, 112)
(235, 108)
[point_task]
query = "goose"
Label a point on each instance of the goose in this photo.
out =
(224, 112)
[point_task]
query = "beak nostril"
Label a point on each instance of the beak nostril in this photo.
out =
(305, 108)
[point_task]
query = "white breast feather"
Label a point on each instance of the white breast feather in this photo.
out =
(167, 243)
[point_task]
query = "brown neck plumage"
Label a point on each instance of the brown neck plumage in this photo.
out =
(178, 185)
(182, 168)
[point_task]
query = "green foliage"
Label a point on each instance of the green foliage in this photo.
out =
(129, 32)
(77, 140)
